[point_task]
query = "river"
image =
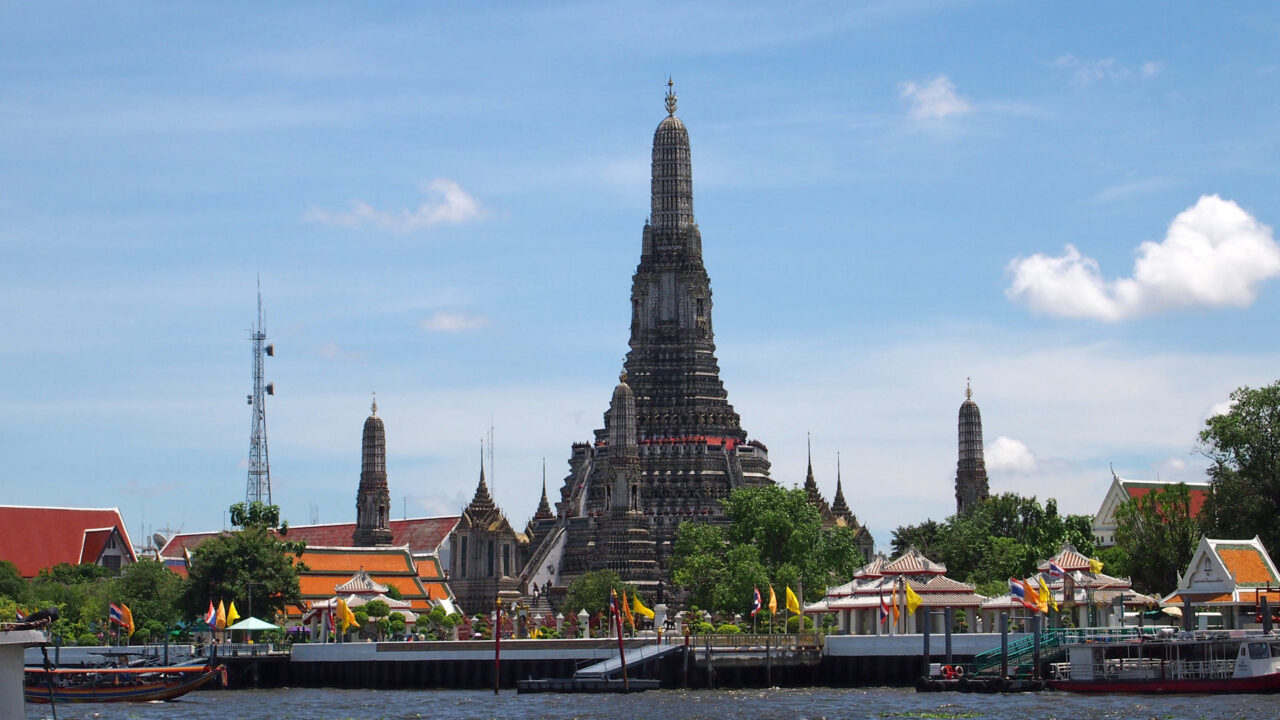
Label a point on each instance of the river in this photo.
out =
(816, 703)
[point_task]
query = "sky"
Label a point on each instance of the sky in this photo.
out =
(1070, 207)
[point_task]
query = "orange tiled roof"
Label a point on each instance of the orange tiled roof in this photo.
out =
(349, 561)
(1247, 565)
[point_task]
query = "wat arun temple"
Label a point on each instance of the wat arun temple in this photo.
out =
(671, 448)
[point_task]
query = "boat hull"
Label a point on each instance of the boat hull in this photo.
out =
(1261, 684)
(140, 692)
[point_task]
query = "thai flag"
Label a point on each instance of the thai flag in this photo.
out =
(211, 617)
(115, 614)
(1055, 571)
(884, 609)
(755, 603)
(613, 602)
(1017, 592)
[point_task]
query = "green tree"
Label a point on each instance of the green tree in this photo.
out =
(377, 608)
(252, 560)
(152, 592)
(1243, 446)
(1158, 536)
(591, 591)
(12, 585)
(924, 537)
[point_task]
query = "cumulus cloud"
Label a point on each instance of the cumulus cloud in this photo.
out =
(445, 321)
(446, 204)
(1005, 453)
(1151, 68)
(1214, 254)
(933, 100)
(1221, 408)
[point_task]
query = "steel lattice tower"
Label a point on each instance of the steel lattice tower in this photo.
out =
(258, 486)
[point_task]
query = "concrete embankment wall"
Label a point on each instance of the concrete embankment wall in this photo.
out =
(846, 661)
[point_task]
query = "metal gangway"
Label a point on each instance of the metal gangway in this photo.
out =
(635, 656)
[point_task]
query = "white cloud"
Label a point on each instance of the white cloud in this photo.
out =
(933, 100)
(1221, 408)
(1088, 72)
(445, 321)
(1005, 453)
(1214, 254)
(1151, 68)
(446, 203)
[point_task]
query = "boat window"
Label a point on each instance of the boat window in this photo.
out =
(1258, 651)
(1275, 649)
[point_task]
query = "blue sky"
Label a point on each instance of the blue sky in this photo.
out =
(1071, 205)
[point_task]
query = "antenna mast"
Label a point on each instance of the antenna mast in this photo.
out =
(258, 485)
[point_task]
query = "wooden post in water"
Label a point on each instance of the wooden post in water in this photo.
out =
(687, 650)
(927, 616)
(711, 671)
(768, 661)
(948, 617)
(1265, 607)
(1035, 653)
(1004, 644)
(497, 644)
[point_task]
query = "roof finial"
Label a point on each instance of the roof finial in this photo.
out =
(671, 97)
(374, 409)
(968, 391)
(622, 376)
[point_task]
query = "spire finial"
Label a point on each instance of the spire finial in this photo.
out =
(671, 97)
(374, 408)
(622, 376)
(968, 391)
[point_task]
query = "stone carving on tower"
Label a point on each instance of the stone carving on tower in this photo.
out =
(971, 467)
(373, 499)
(689, 448)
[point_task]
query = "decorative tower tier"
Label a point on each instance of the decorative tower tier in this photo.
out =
(971, 467)
(683, 449)
(373, 499)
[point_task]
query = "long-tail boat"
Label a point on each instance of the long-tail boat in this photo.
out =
(68, 685)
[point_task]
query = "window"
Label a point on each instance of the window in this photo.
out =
(506, 560)
(462, 557)
(489, 561)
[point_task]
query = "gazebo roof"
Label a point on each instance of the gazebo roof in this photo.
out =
(913, 562)
(360, 583)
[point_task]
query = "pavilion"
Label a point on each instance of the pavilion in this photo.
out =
(1232, 575)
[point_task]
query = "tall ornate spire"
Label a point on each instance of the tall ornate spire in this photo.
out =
(373, 499)
(838, 505)
(671, 97)
(544, 506)
(671, 201)
(971, 467)
(481, 504)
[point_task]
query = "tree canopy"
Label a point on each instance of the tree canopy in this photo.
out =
(590, 591)
(1243, 445)
(252, 561)
(1003, 537)
(774, 536)
(1158, 536)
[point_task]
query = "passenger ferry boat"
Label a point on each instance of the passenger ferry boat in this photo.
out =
(1166, 660)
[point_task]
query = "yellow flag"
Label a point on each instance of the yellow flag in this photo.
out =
(913, 600)
(1095, 566)
(1046, 597)
(639, 607)
(345, 616)
(793, 603)
(773, 602)
(222, 615)
(232, 615)
(128, 618)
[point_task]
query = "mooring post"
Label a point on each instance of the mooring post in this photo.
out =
(687, 650)
(948, 617)
(1187, 617)
(1035, 652)
(1265, 607)
(768, 661)
(711, 671)
(497, 644)
(927, 617)
(1004, 644)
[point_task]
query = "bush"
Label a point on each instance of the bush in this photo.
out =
(728, 629)
(87, 639)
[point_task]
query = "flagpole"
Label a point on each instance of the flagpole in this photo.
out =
(622, 658)
(497, 643)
